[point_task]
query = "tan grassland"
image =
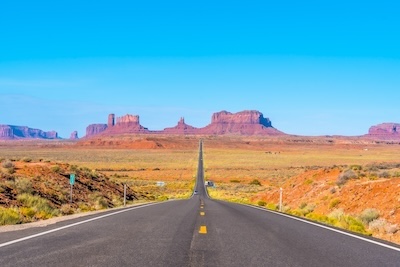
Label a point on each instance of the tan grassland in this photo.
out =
(351, 183)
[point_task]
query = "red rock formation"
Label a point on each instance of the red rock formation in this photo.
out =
(94, 129)
(385, 130)
(127, 124)
(181, 128)
(111, 120)
(20, 132)
(248, 122)
(74, 135)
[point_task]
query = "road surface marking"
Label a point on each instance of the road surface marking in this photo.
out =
(201, 207)
(203, 229)
(202, 213)
(328, 228)
(74, 224)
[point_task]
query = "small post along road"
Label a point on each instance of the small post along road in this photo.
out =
(194, 232)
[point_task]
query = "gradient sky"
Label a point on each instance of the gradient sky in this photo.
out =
(312, 67)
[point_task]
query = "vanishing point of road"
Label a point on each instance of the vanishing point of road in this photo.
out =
(196, 232)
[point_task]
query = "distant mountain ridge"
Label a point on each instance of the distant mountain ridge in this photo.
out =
(248, 122)
(11, 132)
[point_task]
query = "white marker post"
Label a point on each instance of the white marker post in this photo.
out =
(280, 199)
(71, 182)
(124, 194)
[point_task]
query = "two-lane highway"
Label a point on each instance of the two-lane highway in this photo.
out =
(195, 232)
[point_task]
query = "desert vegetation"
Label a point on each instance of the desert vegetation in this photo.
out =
(345, 183)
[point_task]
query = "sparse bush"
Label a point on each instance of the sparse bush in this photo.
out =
(255, 182)
(384, 174)
(272, 206)
(368, 215)
(356, 167)
(345, 176)
(66, 209)
(56, 169)
(337, 214)
(41, 206)
(98, 201)
(261, 203)
(8, 164)
(382, 226)
(334, 203)
(9, 216)
(235, 181)
(27, 160)
(23, 185)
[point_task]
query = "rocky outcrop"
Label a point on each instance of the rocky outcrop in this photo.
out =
(94, 129)
(181, 128)
(248, 122)
(243, 117)
(74, 136)
(9, 132)
(385, 131)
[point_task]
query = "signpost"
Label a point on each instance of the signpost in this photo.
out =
(280, 199)
(71, 182)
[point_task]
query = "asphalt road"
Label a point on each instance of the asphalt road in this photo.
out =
(194, 232)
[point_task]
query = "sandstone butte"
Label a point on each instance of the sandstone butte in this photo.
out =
(248, 122)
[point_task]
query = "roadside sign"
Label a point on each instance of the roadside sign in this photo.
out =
(71, 178)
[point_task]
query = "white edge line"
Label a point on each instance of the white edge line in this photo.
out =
(74, 224)
(327, 228)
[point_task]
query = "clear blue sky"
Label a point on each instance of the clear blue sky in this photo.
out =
(312, 67)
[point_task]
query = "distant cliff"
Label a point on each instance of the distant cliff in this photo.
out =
(11, 132)
(385, 131)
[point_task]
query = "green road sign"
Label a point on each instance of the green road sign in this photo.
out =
(71, 179)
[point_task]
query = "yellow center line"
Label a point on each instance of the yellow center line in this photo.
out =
(203, 229)
(202, 213)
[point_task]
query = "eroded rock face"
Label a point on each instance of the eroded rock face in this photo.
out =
(385, 130)
(74, 135)
(8, 132)
(127, 119)
(94, 129)
(181, 128)
(248, 122)
(243, 117)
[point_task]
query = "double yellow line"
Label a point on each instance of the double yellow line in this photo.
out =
(203, 228)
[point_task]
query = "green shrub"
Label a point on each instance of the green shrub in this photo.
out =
(8, 164)
(27, 160)
(384, 174)
(56, 169)
(368, 215)
(255, 182)
(261, 203)
(9, 216)
(23, 185)
(272, 206)
(39, 205)
(98, 201)
(66, 209)
(345, 176)
(334, 203)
